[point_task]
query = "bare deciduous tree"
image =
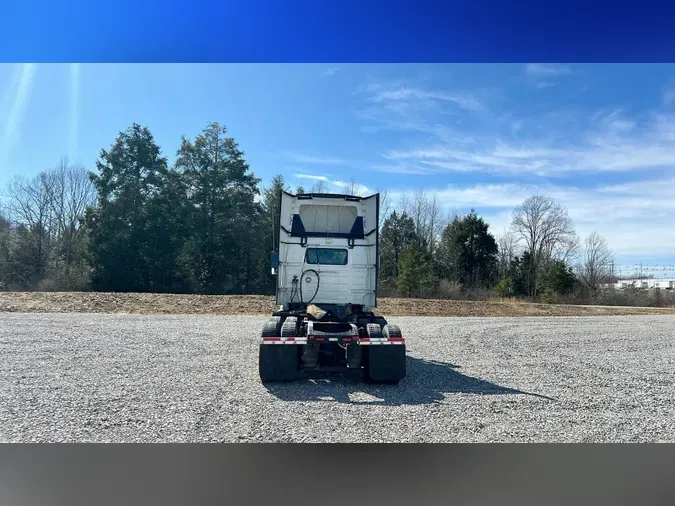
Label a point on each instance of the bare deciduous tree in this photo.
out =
(319, 187)
(567, 250)
(403, 204)
(428, 216)
(547, 230)
(508, 245)
(436, 222)
(73, 192)
(385, 205)
(5, 242)
(417, 210)
(48, 213)
(597, 261)
(352, 187)
(31, 202)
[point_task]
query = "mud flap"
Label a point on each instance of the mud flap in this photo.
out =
(278, 362)
(386, 363)
(354, 356)
(310, 355)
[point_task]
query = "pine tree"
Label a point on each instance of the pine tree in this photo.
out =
(397, 235)
(416, 276)
(468, 251)
(125, 226)
(223, 214)
(270, 225)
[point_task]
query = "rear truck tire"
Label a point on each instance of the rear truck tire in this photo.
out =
(278, 362)
(386, 363)
(272, 327)
(277, 323)
(374, 331)
(390, 330)
(381, 322)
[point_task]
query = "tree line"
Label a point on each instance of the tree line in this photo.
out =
(538, 256)
(205, 224)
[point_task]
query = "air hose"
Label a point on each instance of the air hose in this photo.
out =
(317, 285)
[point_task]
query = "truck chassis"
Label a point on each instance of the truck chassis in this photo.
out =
(344, 338)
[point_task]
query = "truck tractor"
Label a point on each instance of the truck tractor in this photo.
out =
(326, 264)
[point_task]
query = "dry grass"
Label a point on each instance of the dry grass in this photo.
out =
(147, 303)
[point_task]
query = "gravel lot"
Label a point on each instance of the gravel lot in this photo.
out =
(126, 378)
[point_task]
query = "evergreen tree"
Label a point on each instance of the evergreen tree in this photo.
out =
(416, 276)
(224, 217)
(522, 273)
(396, 236)
(270, 224)
(127, 231)
(169, 227)
(468, 251)
(558, 278)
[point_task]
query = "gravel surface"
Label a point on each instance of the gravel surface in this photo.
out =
(114, 378)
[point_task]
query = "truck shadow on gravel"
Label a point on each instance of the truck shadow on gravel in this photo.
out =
(426, 382)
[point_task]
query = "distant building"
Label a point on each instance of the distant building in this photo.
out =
(643, 284)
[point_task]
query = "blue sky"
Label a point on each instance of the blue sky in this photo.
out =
(598, 138)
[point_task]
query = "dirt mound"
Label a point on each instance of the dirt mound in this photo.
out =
(152, 303)
(435, 307)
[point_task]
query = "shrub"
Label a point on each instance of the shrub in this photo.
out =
(547, 296)
(505, 288)
(416, 274)
(449, 289)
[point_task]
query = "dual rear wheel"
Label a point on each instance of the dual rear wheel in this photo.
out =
(280, 362)
(384, 363)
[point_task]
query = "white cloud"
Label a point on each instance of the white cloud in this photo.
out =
(542, 70)
(330, 71)
(316, 160)
(629, 215)
(311, 176)
(543, 76)
(464, 101)
(338, 185)
(360, 188)
(668, 94)
(516, 126)
(538, 151)
(403, 168)
(393, 93)
(615, 143)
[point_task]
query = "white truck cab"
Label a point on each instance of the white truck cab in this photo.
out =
(327, 250)
(326, 266)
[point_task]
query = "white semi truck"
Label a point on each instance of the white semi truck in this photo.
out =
(326, 267)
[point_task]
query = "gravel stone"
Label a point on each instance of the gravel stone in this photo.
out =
(138, 378)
